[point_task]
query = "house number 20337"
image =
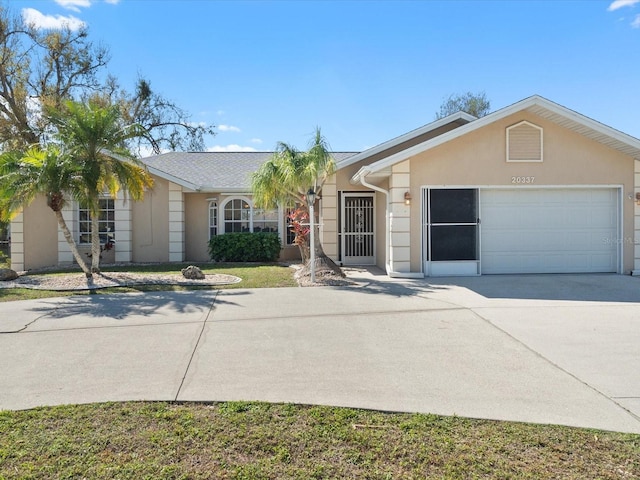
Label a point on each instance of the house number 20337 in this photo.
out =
(523, 180)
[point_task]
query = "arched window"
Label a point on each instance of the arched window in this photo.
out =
(213, 219)
(240, 216)
(237, 216)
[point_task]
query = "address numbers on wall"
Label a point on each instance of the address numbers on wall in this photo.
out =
(522, 180)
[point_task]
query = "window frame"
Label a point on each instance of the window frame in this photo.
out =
(251, 220)
(84, 222)
(214, 219)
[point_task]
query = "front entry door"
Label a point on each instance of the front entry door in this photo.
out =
(357, 227)
(451, 231)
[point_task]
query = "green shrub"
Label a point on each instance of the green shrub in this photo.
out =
(245, 247)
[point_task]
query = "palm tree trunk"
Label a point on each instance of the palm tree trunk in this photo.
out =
(322, 261)
(72, 244)
(95, 243)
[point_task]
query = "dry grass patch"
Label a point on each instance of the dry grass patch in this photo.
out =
(239, 440)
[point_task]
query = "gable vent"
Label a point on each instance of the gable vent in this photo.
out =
(524, 143)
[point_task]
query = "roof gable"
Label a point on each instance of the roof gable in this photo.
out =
(537, 105)
(414, 137)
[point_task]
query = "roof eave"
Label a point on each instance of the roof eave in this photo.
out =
(173, 179)
(456, 117)
(525, 104)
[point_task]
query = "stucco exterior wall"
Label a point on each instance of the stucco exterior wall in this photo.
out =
(150, 219)
(381, 226)
(197, 226)
(39, 234)
(331, 204)
(196, 206)
(479, 159)
(344, 175)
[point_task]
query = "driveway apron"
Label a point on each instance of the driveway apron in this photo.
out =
(482, 347)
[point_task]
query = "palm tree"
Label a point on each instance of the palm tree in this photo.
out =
(48, 172)
(95, 138)
(289, 174)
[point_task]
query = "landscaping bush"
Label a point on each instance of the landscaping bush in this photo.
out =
(245, 247)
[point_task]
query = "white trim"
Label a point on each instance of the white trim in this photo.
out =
(523, 187)
(534, 101)
(79, 207)
(222, 226)
(222, 222)
(457, 268)
(387, 230)
(406, 137)
(508, 139)
(621, 229)
(212, 203)
(619, 212)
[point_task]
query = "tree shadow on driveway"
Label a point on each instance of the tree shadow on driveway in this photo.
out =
(568, 287)
(102, 310)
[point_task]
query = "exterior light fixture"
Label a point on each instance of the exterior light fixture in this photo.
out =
(638, 198)
(407, 198)
(311, 200)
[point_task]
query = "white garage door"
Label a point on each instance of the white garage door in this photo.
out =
(549, 230)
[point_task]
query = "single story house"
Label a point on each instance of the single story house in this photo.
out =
(532, 188)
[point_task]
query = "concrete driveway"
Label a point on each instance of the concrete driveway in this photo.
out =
(559, 349)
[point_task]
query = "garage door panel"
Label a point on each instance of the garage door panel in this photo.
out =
(549, 230)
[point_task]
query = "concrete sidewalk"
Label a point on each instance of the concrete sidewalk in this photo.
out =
(537, 352)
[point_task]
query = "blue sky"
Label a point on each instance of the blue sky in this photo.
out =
(364, 71)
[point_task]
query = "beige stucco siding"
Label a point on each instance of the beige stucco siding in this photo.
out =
(479, 159)
(340, 183)
(150, 219)
(40, 235)
(381, 227)
(344, 175)
(197, 226)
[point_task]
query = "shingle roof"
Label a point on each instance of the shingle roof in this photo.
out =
(213, 171)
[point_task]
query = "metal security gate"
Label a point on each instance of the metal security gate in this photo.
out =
(357, 227)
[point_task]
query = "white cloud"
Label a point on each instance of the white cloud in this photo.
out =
(230, 148)
(113, 2)
(256, 140)
(38, 20)
(74, 4)
(615, 5)
(228, 128)
(636, 22)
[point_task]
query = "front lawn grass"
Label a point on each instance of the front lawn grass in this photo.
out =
(240, 440)
(271, 275)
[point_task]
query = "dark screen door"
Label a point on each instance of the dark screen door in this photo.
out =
(452, 224)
